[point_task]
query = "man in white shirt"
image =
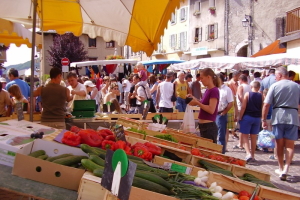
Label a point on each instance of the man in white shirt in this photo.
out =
(126, 88)
(77, 90)
(164, 94)
(142, 94)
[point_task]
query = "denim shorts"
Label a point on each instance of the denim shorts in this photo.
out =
(250, 125)
(286, 131)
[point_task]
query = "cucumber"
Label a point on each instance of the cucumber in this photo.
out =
(98, 172)
(148, 185)
(51, 159)
(90, 165)
(43, 157)
(96, 149)
(159, 172)
(88, 149)
(70, 160)
(134, 158)
(97, 160)
(37, 153)
(102, 155)
(153, 178)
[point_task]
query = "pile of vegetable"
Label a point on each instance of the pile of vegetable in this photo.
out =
(63, 159)
(148, 178)
(231, 160)
(211, 167)
(136, 130)
(166, 137)
(253, 179)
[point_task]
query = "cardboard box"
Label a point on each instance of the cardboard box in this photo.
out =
(90, 189)
(15, 134)
(45, 171)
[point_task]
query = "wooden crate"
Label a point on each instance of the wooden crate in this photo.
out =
(180, 115)
(134, 134)
(186, 156)
(161, 161)
(207, 152)
(180, 132)
(240, 171)
(276, 194)
(161, 141)
(133, 140)
(195, 159)
(230, 183)
(169, 116)
(127, 122)
(90, 189)
(131, 116)
(204, 144)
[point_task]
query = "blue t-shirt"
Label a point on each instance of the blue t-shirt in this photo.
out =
(24, 87)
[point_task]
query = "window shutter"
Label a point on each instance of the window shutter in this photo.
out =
(216, 30)
(185, 40)
(200, 35)
(175, 16)
(179, 40)
(206, 32)
(170, 41)
(185, 13)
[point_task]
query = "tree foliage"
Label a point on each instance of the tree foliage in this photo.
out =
(66, 45)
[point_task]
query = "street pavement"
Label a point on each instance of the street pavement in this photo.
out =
(264, 163)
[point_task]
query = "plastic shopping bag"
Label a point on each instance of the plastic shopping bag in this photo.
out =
(266, 139)
(188, 125)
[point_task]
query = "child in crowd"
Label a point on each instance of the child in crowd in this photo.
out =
(17, 96)
(142, 72)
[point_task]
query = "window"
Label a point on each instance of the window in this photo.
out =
(182, 41)
(173, 17)
(197, 8)
(198, 35)
(211, 32)
(183, 14)
(110, 44)
(92, 42)
(212, 3)
(173, 41)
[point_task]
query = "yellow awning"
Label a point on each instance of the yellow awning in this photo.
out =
(137, 23)
(15, 33)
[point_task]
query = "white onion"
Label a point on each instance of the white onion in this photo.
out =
(217, 194)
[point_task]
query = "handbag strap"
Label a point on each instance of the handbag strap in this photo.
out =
(145, 91)
(174, 89)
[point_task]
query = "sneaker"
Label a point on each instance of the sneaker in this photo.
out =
(277, 171)
(283, 177)
(237, 147)
(248, 158)
(272, 157)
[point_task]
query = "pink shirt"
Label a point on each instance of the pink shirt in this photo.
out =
(209, 93)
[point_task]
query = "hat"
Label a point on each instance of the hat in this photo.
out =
(2, 80)
(89, 83)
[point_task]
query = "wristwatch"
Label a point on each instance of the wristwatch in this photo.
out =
(263, 120)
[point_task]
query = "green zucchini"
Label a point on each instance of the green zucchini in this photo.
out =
(43, 157)
(37, 153)
(98, 172)
(153, 178)
(144, 167)
(51, 159)
(148, 185)
(90, 165)
(70, 160)
(97, 160)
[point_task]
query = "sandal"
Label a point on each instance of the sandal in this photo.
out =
(237, 147)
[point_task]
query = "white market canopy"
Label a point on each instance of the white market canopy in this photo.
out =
(103, 62)
(224, 62)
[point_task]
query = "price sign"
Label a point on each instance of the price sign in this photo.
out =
(119, 132)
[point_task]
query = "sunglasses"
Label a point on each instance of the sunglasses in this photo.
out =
(116, 88)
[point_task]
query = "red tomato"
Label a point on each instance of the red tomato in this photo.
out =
(244, 193)
(243, 198)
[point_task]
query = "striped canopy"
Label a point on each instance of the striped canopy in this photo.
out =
(137, 23)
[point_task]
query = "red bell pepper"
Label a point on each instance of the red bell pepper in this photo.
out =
(90, 138)
(143, 153)
(75, 129)
(103, 133)
(155, 150)
(107, 144)
(71, 139)
(110, 137)
(108, 132)
(120, 145)
(128, 150)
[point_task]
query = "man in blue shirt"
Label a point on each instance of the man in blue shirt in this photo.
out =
(13, 76)
(268, 81)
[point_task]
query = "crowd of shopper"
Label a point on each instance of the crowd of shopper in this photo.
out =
(242, 103)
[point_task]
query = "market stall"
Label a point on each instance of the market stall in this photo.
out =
(80, 159)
